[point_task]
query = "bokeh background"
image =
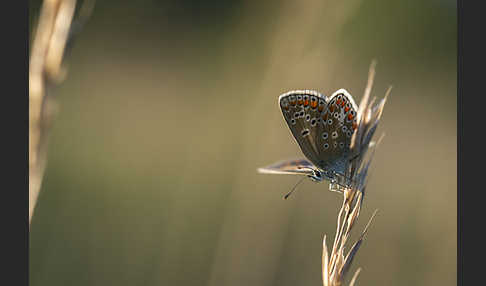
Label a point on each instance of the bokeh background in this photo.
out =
(169, 107)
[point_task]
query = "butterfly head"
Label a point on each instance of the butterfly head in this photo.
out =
(317, 176)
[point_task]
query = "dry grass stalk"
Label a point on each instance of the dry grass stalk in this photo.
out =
(54, 30)
(336, 264)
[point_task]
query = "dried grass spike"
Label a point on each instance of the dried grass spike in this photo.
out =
(325, 263)
(354, 249)
(354, 277)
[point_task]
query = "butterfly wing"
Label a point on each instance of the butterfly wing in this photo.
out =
(339, 124)
(302, 111)
(296, 167)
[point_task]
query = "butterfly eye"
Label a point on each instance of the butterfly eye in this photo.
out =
(341, 145)
(313, 122)
(344, 128)
(326, 146)
(329, 121)
(334, 134)
(324, 135)
(292, 121)
(336, 115)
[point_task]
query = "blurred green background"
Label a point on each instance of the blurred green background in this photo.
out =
(170, 106)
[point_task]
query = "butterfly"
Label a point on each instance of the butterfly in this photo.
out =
(323, 128)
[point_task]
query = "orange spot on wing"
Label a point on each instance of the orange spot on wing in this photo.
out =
(314, 104)
(299, 102)
(306, 102)
(286, 107)
(324, 116)
(342, 103)
(331, 108)
(320, 108)
(292, 102)
(346, 109)
(355, 125)
(350, 116)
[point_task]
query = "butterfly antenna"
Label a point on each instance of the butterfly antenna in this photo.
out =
(293, 189)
